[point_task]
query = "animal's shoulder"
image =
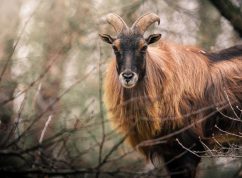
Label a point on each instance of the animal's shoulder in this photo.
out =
(225, 54)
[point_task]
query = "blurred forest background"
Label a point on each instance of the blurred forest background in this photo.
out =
(52, 62)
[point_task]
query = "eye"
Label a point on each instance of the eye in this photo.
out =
(143, 49)
(115, 49)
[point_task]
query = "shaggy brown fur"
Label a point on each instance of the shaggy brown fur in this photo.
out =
(182, 85)
(178, 94)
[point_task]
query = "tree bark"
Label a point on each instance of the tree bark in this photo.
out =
(231, 12)
(8, 84)
(207, 36)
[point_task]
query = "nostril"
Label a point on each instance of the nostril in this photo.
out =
(128, 76)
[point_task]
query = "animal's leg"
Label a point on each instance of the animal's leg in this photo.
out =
(182, 167)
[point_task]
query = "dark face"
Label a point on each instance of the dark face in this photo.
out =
(130, 51)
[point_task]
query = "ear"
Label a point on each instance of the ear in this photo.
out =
(107, 38)
(153, 38)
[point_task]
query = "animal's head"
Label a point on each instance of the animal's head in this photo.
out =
(130, 46)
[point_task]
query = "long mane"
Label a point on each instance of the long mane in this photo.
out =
(180, 81)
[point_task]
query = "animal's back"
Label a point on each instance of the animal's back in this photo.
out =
(225, 90)
(229, 61)
(226, 54)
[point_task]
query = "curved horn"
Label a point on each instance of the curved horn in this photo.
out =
(117, 22)
(142, 23)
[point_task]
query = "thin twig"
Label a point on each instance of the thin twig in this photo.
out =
(44, 129)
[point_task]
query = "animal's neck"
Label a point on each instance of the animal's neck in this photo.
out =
(141, 108)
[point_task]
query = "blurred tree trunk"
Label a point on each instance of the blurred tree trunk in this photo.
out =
(207, 36)
(8, 35)
(231, 12)
(57, 44)
(130, 15)
(7, 87)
